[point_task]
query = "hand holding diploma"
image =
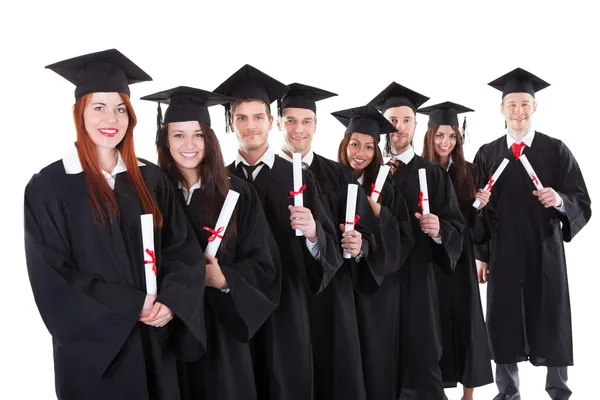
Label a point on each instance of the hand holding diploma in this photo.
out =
(302, 221)
(214, 274)
(430, 224)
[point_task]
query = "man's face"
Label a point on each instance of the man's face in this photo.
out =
(518, 109)
(298, 126)
(251, 124)
(403, 119)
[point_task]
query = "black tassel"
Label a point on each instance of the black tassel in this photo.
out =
(159, 123)
(464, 129)
(279, 110)
(227, 117)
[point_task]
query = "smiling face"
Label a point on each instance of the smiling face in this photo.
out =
(106, 119)
(403, 119)
(251, 125)
(518, 108)
(186, 144)
(298, 126)
(444, 141)
(360, 151)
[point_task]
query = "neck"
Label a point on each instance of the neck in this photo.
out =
(403, 150)
(253, 155)
(517, 135)
(357, 173)
(107, 158)
(191, 176)
(444, 161)
(289, 152)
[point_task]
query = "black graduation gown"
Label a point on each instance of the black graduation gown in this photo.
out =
(282, 348)
(420, 331)
(89, 285)
(252, 267)
(334, 328)
(466, 355)
(528, 307)
(378, 310)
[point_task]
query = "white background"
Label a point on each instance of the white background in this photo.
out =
(448, 51)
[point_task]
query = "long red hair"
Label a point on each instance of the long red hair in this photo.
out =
(103, 200)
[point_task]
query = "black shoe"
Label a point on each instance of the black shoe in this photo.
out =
(508, 396)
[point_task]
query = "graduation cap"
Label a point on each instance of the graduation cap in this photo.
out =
(366, 120)
(443, 114)
(519, 81)
(396, 95)
(104, 71)
(302, 96)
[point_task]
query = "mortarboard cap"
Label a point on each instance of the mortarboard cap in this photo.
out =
(366, 120)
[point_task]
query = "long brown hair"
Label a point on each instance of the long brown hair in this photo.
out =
(212, 172)
(104, 203)
(370, 171)
(461, 175)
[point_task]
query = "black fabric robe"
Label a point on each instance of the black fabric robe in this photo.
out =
(89, 284)
(282, 348)
(528, 307)
(252, 267)
(333, 317)
(420, 330)
(378, 308)
(466, 354)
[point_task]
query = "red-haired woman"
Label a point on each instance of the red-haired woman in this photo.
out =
(243, 281)
(378, 308)
(466, 356)
(85, 252)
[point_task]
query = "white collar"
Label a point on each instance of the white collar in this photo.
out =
(73, 166)
(187, 193)
(527, 139)
(407, 156)
(268, 158)
(450, 163)
(361, 179)
(307, 159)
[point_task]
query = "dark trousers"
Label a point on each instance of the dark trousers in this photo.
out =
(507, 380)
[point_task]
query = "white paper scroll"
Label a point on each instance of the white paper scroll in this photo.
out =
(214, 241)
(532, 175)
(149, 254)
(298, 199)
(351, 217)
(493, 180)
(384, 170)
(424, 195)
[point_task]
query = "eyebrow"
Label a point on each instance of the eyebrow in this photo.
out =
(102, 104)
(182, 131)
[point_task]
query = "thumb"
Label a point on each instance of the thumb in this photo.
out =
(419, 216)
(535, 193)
(342, 228)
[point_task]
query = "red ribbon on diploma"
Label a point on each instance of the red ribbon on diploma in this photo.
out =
(356, 219)
(215, 234)
(490, 183)
(535, 179)
(152, 261)
(421, 199)
(373, 191)
(294, 194)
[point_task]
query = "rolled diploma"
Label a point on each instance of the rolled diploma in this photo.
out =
(222, 222)
(298, 199)
(149, 254)
(493, 180)
(532, 175)
(424, 192)
(350, 210)
(384, 170)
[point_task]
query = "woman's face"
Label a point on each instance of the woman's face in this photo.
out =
(444, 141)
(186, 144)
(106, 119)
(360, 151)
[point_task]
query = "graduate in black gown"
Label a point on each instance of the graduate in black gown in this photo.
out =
(438, 244)
(282, 348)
(243, 280)
(528, 308)
(378, 307)
(85, 255)
(334, 329)
(466, 356)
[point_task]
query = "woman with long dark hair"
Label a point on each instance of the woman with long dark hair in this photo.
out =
(85, 252)
(243, 281)
(466, 355)
(378, 306)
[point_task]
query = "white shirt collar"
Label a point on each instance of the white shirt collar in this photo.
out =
(268, 158)
(407, 156)
(361, 179)
(450, 163)
(307, 159)
(73, 165)
(527, 139)
(187, 193)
